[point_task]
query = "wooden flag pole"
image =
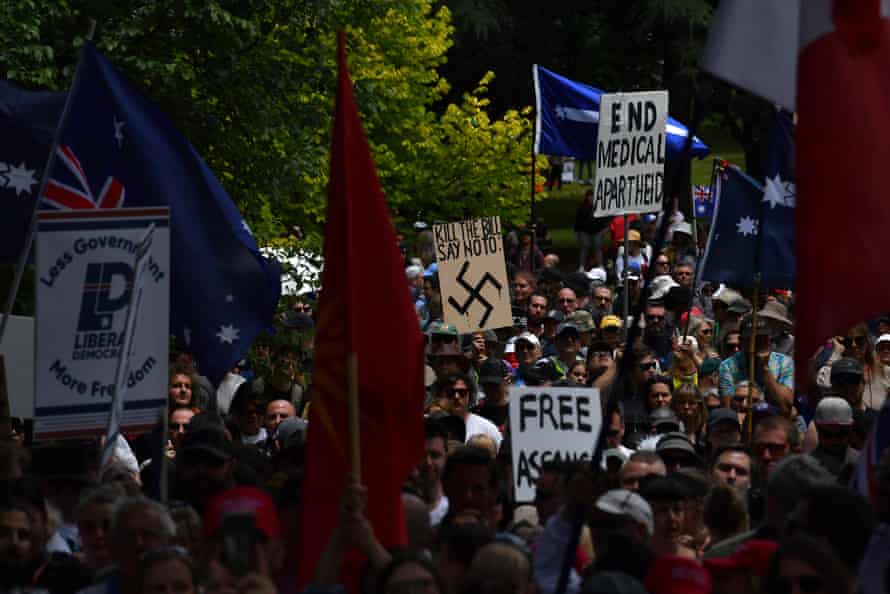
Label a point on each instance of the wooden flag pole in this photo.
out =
(355, 441)
(752, 355)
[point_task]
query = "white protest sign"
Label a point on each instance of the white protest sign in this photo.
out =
(85, 278)
(18, 354)
(630, 153)
(550, 424)
(473, 274)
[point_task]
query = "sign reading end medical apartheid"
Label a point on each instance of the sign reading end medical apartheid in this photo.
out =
(550, 425)
(630, 153)
(473, 274)
(85, 279)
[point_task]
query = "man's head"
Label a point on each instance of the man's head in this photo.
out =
(646, 367)
(731, 465)
(658, 393)
(772, 442)
(683, 273)
(276, 412)
(723, 428)
(537, 307)
(457, 391)
(882, 347)
(568, 340)
(18, 541)
(834, 422)
(180, 419)
(470, 481)
(138, 525)
(610, 330)
(493, 380)
(599, 358)
(566, 301)
(93, 516)
(247, 408)
(655, 318)
(641, 464)
(205, 464)
(787, 484)
(449, 360)
(732, 343)
(662, 265)
(441, 334)
(848, 380)
(677, 452)
(528, 348)
(667, 496)
(432, 466)
(602, 300)
(739, 401)
(623, 511)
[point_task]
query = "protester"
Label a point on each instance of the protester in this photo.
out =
(732, 466)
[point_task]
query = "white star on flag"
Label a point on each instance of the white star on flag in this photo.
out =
(230, 298)
(187, 335)
(747, 226)
(119, 131)
(228, 334)
(18, 178)
(778, 192)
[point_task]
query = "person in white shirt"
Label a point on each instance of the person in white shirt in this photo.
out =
(458, 390)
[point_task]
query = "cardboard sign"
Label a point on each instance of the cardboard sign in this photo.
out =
(85, 279)
(630, 153)
(473, 274)
(18, 353)
(550, 424)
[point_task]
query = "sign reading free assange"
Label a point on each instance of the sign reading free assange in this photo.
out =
(630, 153)
(84, 282)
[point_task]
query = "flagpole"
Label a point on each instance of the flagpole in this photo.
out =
(699, 257)
(22, 263)
(533, 214)
(751, 358)
(355, 441)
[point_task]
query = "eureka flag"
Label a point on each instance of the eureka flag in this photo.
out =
(568, 118)
(118, 150)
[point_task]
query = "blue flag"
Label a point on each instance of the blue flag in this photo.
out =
(568, 118)
(28, 121)
(703, 200)
(118, 150)
(779, 199)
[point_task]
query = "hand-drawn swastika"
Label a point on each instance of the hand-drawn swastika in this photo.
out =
(474, 293)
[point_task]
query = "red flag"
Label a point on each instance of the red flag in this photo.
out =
(843, 148)
(365, 309)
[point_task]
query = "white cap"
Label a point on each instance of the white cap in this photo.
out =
(529, 337)
(882, 338)
(596, 274)
(621, 502)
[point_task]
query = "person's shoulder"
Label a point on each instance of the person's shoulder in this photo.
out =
(728, 546)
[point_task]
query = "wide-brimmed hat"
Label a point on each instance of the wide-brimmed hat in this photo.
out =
(775, 311)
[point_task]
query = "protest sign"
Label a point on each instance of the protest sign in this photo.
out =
(17, 347)
(630, 153)
(85, 279)
(550, 424)
(473, 274)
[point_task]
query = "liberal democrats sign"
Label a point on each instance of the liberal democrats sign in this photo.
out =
(85, 277)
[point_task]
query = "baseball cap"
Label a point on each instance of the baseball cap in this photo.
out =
(833, 411)
(633, 235)
(727, 296)
(683, 227)
(676, 443)
(529, 338)
(491, 371)
(723, 415)
(882, 338)
(242, 500)
(490, 336)
(661, 284)
(660, 417)
(610, 321)
(846, 366)
(413, 271)
(670, 574)
(291, 432)
(554, 314)
(443, 329)
(621, 502)
(633, 271)
(709, 366)
(567, 327)
(754, 556)
(583, 319)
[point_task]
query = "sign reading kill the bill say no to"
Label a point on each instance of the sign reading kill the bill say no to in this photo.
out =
(473, 274)
(85, 279)
(630, 153)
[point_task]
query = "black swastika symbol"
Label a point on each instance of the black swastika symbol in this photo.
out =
(474, 293)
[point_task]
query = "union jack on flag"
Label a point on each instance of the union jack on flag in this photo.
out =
(67, 197)
(703, 201)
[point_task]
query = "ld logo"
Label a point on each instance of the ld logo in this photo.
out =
(99, 303)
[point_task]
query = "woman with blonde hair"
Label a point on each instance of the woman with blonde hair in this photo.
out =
(688, 405)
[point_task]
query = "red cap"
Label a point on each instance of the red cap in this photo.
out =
(753, 556)
(677, 575)
(242, 500)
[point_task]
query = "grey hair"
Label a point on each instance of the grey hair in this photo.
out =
(130, 504)
(792, 477)
(103, 495)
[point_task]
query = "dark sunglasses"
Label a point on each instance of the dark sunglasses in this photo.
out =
(178, 426)
(651, 318)
(775, 449)
(859, 341)
(647, 366)
(834, 433)
(461, 392)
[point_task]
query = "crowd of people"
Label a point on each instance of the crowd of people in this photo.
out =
(709, 479)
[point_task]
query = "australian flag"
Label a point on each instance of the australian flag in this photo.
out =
(28, 120)
(703, 201)
(568, 118)
(118, 150)
(753, 228)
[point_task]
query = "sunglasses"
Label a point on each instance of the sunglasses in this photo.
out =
(458, 392)
(662, 263)
(647, 366)
(834, 433)
(565, 300)
(178, 426)
(651, 318)
(612, 432)
(603, 298)
(808, 584)
(775, 449)
(859, 341)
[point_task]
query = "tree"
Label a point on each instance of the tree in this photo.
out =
(250, 83)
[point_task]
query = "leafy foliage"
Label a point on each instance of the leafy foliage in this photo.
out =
(250, 83)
